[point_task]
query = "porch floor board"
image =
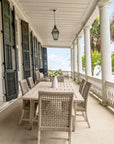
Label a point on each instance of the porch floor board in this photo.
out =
(101, 131)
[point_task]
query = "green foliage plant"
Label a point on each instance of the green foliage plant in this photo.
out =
(95, 60)
(54, 73)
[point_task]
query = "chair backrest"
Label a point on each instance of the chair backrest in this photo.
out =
(60, 78)
(24, 86)
(82, 84)
(37, 75)
(31, 83)
(86, 92)
(55, 110)
(41, 75)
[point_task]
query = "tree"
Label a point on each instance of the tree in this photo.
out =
(112, 61)
(112, 28)
(95, 35)
(96, 44)
(95, 60)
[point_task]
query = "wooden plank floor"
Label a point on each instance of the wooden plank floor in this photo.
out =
(101, 131)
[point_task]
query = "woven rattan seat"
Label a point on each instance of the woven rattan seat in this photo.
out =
(60, 78)
(26, 103)
(82, 84)
(82, 107)
(31, 83)
(38, 78)
(55, 113)
(24, 86)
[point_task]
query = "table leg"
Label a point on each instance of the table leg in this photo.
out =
(31, 113)
(74, 117)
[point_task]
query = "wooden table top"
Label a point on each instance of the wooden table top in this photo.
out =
(32, 94)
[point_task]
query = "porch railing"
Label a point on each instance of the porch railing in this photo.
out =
(110, 93)
(67, 73)
(96, 87)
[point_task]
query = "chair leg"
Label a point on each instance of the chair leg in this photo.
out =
(83, 114)
(22, 115)
(69, 137)
(74, 117)
(38, 140)
(74, 123)
(87, 119)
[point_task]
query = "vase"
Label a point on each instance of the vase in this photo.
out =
(55, 82)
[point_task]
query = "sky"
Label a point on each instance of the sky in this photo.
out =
(111, 9)
(59, 58)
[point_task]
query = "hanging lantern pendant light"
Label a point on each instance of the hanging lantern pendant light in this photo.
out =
(55, 32)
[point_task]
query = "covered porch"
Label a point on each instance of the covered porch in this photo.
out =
(101, 131)
(26, 28)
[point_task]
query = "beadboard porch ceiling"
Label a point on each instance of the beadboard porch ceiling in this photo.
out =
(71, 16)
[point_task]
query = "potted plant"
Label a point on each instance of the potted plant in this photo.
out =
(54, 74)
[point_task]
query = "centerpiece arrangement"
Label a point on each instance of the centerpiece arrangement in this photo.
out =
(54, 75)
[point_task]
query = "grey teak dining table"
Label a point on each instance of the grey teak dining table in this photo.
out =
(32, 95)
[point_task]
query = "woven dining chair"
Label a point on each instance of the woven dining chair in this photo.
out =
(55, 113)
(26, 103)
(82, 84)
(82, 107)
(38, 79)
(31, 83)
(60, 78)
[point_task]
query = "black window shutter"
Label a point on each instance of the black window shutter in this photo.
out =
(32, 54)
(25, 49)
(15, 48)
(9, 43)
(39, 55)
(36, 53)
(45, 61)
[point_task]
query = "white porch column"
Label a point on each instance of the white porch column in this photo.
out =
(87, 51)
(72, 62)
(105, 46)
(79, 58)
(75, 58)
(71, 58)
